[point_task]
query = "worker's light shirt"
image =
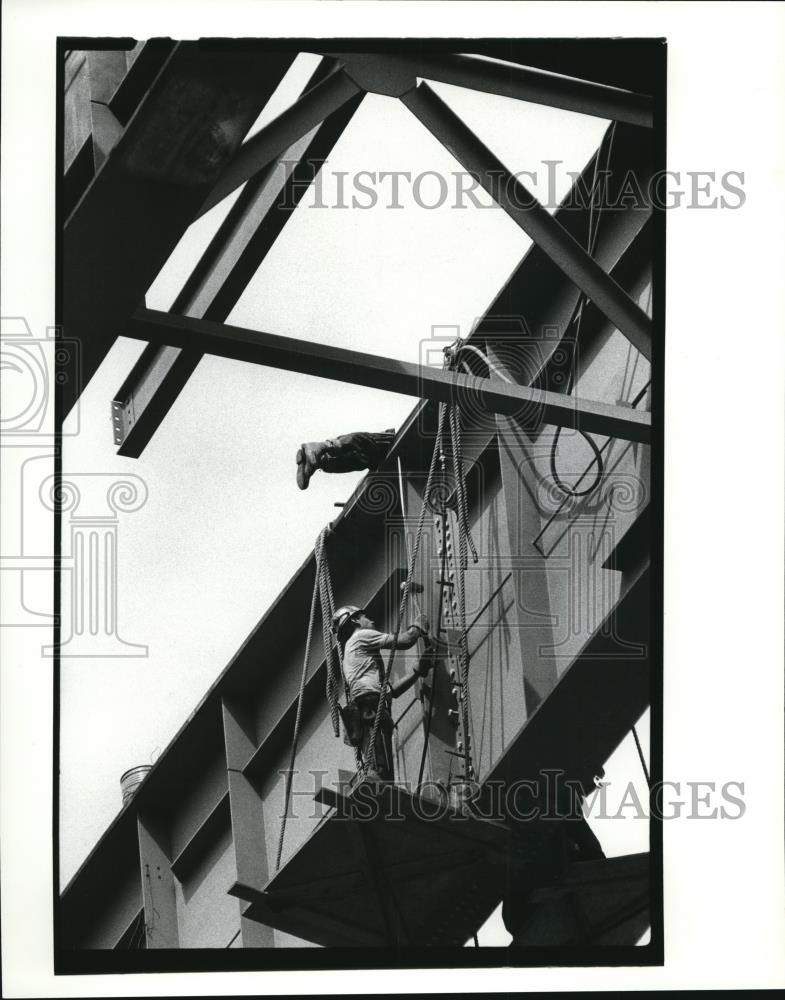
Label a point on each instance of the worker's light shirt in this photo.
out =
(363, 666)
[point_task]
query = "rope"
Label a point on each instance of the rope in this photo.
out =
(465, 542)
(405, 597)
(460, 487)
(415, 602)
(425, 713)
(327, 601)
(323, 590)
(439, 446)
(298, 717)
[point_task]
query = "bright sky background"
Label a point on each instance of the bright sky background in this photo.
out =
(224, 526)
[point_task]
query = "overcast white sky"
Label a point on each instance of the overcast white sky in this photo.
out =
(224, 526)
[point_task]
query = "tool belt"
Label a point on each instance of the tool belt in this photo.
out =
(358, 716)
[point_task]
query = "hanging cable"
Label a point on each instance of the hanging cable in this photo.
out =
(574, 324)
(641, 757)
(486, 360)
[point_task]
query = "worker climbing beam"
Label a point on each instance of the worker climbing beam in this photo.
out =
(506, 79)
(535, 220)
(282, 132)
(389, 374)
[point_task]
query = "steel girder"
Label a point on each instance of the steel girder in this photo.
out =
(528, 404)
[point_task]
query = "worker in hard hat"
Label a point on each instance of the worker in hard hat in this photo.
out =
(363, 669)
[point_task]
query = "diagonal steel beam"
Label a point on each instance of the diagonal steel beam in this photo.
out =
(535, 220)
(282, 132)
(504, 79)
(159, 376)
(527, 404)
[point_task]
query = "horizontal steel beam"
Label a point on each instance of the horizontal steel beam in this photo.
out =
(282, 132)
(535, 220)
(504, 79)
(473, 393)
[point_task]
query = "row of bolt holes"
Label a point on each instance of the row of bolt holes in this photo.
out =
(116, 414)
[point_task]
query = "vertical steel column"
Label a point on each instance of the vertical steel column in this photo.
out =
(158, 888)
(247, 814)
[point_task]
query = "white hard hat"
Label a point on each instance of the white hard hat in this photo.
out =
(342, 615)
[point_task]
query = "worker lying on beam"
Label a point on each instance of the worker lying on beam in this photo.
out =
(364, 673)
(346, 453)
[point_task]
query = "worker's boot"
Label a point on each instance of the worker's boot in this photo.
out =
(309, 457)
(346, 453)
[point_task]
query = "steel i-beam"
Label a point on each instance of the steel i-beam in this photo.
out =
(325, 361)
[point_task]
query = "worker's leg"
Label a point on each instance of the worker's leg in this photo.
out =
(378, 766)
(384, 752)
(346, 453)
(353, 452)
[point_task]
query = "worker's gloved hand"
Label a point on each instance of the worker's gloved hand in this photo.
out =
(425, 664)
(421, 622)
